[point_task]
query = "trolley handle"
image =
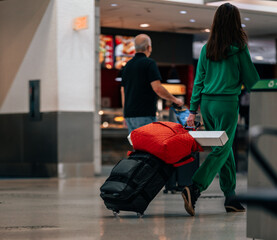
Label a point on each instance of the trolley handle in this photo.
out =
(196, 126)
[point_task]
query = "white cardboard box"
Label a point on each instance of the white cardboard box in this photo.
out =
(210, 138)
(205, 138)
(129, 139)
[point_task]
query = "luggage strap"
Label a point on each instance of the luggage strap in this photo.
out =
(161, 123)
(186, 158)
(148, 155)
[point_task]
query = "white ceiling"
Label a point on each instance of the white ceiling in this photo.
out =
(164, 15)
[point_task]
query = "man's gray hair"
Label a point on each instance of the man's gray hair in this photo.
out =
(142, 44)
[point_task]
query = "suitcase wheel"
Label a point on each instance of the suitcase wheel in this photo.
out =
(116, 213)
(140, 215)
(172, 191)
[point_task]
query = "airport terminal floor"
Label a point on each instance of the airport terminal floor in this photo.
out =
(72, 209)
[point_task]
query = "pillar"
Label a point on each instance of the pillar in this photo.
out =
(38, 42)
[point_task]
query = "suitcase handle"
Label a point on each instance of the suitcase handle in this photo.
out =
(196, 126)
(177, 108)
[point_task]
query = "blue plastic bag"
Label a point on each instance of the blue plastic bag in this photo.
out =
(181, 115)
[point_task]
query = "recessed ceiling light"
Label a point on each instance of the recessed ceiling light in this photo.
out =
(144, 25)
(114, 5)
(192, 20)
(207, 30)
(260, 58)
(243, 25)
(183, 12)
(247, 19)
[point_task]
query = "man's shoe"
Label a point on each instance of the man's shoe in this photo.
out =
(190, 195)
(231, 205)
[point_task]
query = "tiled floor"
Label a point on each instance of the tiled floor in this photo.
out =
(72, 209)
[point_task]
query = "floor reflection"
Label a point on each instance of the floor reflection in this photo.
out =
(72, 209)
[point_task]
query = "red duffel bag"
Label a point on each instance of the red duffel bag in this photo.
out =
(168, 141)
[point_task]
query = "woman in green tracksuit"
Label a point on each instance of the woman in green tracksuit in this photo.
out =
(224, 65)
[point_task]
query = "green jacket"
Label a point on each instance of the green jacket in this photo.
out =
(223, 77)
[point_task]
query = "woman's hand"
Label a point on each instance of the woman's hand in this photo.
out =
(191, 119)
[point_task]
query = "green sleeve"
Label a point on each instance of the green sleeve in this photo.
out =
(198, 81)
(248, 72)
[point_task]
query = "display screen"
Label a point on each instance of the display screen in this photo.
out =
(106, 52)
(124, 50)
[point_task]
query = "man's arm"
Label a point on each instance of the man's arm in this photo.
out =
(122, 96)
(163, 93)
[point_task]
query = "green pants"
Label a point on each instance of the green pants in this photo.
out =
(220, 113)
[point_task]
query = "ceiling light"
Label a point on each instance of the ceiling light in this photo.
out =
(261, 6)
(260, 58)
(243, 25)
(183, 12)
(186, 1)
(192, 20)
(207, 30)
(247, 19)
(114, 5)
(144, 25)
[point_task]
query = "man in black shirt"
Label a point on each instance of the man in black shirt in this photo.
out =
(141, 84)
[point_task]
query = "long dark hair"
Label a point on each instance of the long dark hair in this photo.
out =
(226, 30)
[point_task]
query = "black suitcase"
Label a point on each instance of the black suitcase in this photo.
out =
(182, 176)
(134, 182)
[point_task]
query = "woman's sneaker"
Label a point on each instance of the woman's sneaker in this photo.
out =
(190, 195)
(231, 205)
